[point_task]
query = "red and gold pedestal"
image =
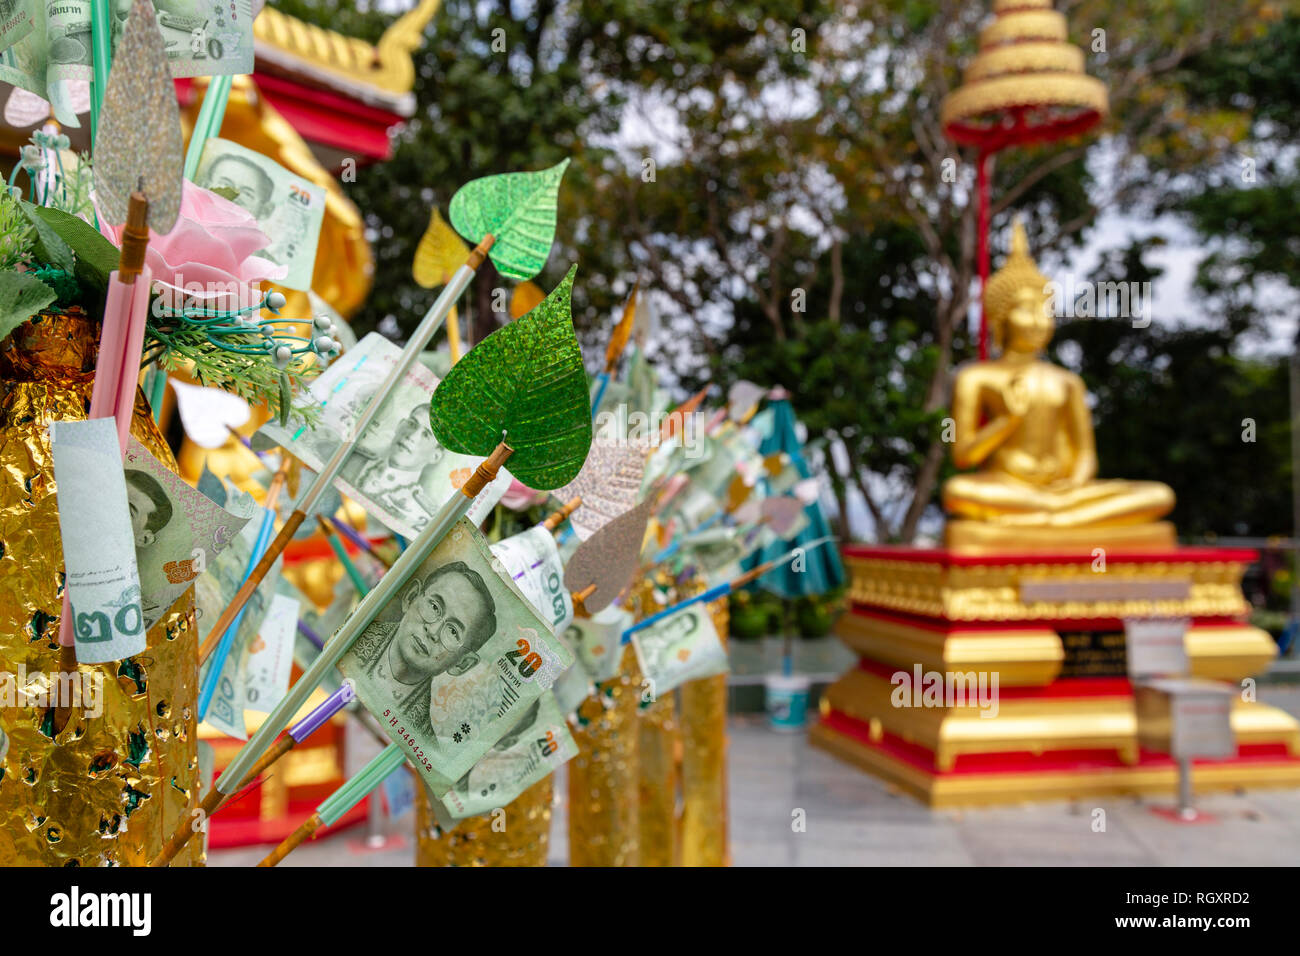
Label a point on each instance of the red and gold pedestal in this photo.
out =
(1049, 627)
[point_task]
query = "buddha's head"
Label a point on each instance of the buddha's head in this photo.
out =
(1018, 299)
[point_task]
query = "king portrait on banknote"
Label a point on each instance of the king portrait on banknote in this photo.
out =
(403, 475)
(443, 620)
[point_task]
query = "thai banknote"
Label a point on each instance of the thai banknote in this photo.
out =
(398, 472)
(572, 688)
(531, 750)
(321, 623)
(212, 592)
(680, 648)
(454, 659)
(178, 529)
(288, 208)
(17, 20)
(532, 560)
(269, 661)
(202, 38)
(102, 580)
(597, 641)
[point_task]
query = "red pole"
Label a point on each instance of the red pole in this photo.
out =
(982, 244)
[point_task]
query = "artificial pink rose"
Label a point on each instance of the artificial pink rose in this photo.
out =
(214, 243)
(519, 497)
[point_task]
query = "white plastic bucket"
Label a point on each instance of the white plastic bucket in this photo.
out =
(787, 701)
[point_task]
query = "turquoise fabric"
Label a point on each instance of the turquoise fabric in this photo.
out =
(823, 570)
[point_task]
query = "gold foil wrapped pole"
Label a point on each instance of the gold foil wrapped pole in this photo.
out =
(604, 829)
(110, 787)
(704, 762)
(482, 840)
(658, 742)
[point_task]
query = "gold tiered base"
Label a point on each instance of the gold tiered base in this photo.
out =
(1042, 636)
(983, 537)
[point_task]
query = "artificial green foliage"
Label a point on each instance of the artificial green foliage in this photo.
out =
(16, 233)
(524, 382)
(253, 378)
(518, 210)
(22, 295)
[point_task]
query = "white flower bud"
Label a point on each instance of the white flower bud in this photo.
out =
(275, 300)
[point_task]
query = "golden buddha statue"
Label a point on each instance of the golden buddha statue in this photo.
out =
(1025, 424)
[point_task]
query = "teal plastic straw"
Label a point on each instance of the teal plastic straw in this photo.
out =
(157, 391)
(101, 56)
(338, 803)
(452, 511)
(208, 123)
(341, 553)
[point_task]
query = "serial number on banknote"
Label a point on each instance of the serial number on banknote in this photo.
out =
(417, 752)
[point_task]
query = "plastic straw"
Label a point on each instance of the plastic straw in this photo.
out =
(218, 659)
(341, 553)
(337, 804)
(208, 122)
(101, 58)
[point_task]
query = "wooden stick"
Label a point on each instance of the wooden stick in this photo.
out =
(215, 800)
(553, 521)
(293, 840)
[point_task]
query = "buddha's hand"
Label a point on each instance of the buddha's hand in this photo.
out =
(1017, 396)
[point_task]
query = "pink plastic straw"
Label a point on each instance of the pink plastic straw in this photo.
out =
(132, 345)
(117, 372)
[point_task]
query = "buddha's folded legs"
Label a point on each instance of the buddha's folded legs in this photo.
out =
(988, 497)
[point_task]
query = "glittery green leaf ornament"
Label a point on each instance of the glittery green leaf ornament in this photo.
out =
(518, 209)
(526, 380)
(139, 141)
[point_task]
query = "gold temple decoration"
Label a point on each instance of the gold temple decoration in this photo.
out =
(109, 788)
(658, 745)
(481, 840)
(704, 762)
(1024, 62)
(381, 74)
(1025, 423)
(604, 828)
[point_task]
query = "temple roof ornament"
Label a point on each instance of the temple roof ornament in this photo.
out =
(1026, 84)
(380, 75)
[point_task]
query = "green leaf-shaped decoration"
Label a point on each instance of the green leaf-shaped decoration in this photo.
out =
(21, 296)
(527, 381)
(518, 209)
